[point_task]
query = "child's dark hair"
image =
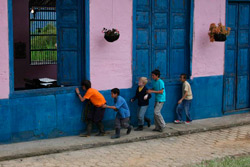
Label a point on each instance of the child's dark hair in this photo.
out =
(156, 72)
(116, 91)
(87, 84)
(184, 76)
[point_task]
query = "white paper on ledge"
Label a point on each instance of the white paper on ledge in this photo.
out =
(46, 84)
(46, 80)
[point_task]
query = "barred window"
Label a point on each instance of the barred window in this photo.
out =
(43, 33)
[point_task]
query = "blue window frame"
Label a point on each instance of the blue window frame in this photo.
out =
(73, 22)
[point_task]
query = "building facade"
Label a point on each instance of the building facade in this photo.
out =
(169, 35)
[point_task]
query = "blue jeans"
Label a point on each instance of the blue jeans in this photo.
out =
(185, 105)
(141, 113)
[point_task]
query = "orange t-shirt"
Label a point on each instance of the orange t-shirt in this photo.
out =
(95, 97)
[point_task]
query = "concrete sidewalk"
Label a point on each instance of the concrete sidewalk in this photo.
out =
(50, 146)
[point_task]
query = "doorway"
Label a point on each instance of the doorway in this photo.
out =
(162, 37)
(236, 74)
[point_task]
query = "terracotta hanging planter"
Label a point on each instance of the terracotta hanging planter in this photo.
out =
(220, 37)
(218, 33)
(111, 35)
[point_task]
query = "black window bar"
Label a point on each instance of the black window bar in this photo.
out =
(43, 35)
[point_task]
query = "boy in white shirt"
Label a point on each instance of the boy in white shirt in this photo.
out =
(185, 102)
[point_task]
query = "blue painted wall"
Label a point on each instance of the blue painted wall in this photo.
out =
(59, 113)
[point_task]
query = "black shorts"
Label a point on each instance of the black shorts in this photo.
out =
(96, 114)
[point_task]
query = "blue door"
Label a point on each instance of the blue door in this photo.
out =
(162, 37)
(69, 30)
(236, 75)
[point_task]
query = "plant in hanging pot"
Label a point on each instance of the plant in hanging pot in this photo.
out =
(111, 35)
(218, 33)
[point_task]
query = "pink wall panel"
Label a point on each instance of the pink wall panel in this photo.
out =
(4, 51)
(111, 63)
(208, 57)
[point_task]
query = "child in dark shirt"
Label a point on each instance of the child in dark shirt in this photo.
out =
(143, 102)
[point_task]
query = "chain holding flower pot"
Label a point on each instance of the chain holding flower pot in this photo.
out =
(111, 35)
(218, 33)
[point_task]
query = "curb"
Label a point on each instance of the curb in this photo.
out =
(121, 141)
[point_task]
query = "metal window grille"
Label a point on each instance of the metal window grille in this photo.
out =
(43, 34)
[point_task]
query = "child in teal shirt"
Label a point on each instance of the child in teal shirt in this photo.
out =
(160, 98)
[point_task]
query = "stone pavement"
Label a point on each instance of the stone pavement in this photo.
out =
(73, 143)
(185, 150)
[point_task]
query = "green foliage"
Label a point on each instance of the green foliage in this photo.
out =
(44, 40)
(227, 162)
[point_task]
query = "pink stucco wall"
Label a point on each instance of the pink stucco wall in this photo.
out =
(22, 67)
(4, 51)
(208, 57)
(111, 63)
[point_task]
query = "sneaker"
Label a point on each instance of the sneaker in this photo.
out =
(177, 122)
(187, 122)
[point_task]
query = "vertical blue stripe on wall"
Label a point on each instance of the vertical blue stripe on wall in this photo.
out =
(87, 41)
(11, 47)
(191, 35)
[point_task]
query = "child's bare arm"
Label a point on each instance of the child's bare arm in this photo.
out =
(154, 91)
(184, 96)
(111, 107)
(79, 95)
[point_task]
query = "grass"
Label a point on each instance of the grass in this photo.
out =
(227, 162)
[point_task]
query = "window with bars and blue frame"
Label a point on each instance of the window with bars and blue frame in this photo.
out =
(43, 33)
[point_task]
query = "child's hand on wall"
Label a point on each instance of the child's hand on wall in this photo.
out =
(132, 100)
(77, 91)
(104, 106)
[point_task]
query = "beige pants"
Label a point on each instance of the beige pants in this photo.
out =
(159, 121)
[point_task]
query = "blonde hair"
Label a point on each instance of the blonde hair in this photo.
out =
(144, 80)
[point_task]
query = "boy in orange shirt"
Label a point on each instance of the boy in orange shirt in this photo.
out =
(97, 113)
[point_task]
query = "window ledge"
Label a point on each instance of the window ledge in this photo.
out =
(42, 92)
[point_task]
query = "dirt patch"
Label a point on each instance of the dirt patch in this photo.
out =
(243, 142)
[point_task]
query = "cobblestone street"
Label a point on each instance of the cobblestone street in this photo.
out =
(173, 151)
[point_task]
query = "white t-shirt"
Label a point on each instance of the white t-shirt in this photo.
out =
(187, 88)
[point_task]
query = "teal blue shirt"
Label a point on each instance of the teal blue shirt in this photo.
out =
(159, 85)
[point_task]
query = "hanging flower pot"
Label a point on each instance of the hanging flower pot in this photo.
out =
(218, 33)
(111, 35)
(220, 37)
